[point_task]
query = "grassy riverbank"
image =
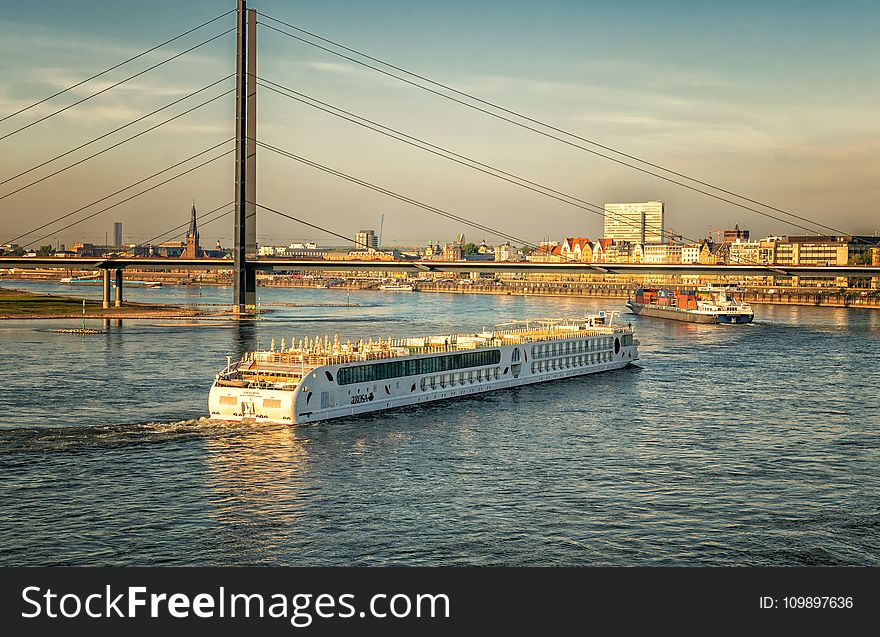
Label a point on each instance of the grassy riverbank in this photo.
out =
(18, 304)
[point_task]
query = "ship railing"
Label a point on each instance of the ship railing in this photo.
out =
(396, 348)
(262, 384)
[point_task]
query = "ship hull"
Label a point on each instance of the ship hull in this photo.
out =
(689, 316)
(320, 396)
(735, 318)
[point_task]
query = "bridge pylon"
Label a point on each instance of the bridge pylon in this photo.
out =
(245, 248)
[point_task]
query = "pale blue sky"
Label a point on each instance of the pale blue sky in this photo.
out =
(777, 100)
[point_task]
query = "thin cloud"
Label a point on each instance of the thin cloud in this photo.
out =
(333, 67)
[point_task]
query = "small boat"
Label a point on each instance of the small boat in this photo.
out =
(707, 304)
(92, 280)
(397, 287)
(81, 280)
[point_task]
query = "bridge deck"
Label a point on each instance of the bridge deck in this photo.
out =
(572, 267)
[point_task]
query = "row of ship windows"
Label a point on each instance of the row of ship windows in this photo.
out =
(371, 372)
(442, 381)
(269, 403)
(571, 361)
(570, 347)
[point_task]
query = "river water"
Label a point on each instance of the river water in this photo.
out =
(746, 445)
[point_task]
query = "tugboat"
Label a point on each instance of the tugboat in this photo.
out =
(707, 304)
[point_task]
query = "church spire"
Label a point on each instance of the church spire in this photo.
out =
(193, 230)
(193, 249)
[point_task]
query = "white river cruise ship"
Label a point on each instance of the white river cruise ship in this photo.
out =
(322, 379)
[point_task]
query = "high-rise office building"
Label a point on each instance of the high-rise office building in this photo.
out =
(634, 222)
(366, 240)
(117, 234)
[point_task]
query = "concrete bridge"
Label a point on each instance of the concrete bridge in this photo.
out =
(114, 267)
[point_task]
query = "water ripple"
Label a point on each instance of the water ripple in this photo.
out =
(729, 445)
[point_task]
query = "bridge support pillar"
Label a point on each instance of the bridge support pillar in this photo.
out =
(245, 241)
(106, 297)
(118, 287)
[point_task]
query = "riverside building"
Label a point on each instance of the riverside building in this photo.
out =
(635, 222)
(366, 240)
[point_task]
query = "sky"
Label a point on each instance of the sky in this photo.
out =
(777, 101)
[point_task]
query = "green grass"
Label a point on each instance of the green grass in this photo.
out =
(24, 304)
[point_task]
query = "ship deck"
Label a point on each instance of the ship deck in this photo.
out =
(312, 353)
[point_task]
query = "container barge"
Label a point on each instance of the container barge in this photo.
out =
(707, 304)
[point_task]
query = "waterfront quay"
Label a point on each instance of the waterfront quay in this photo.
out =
(592, 286)
(823, 297)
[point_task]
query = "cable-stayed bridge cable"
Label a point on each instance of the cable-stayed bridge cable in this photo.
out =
(116, 145)
(143, 192)
(114, 67)
(115, 130)
(199, 217)
(391, 193)
(120, 191)
(452, 156)
(112, 86)
(544, 133)
(312, 225)
(460, 159)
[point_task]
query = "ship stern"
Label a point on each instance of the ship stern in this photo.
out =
(244, 404)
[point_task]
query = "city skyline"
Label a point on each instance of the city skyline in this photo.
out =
(776, 102)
